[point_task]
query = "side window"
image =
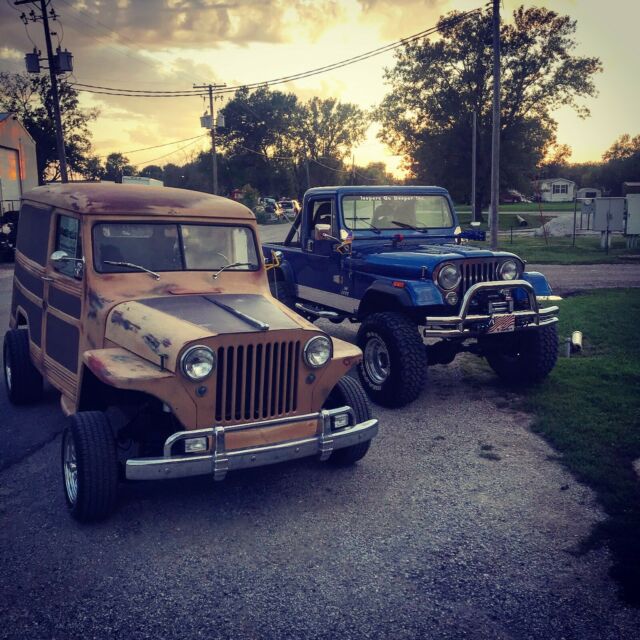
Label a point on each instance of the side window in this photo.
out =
(321, 213)
(68, 240)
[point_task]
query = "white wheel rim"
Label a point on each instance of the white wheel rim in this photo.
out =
(70, 468)
(7, 372)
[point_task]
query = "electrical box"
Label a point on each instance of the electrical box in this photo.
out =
(63, 61)
(633, 214)
(205, 121)
(32, 62)
(609, 214)
(220, 121)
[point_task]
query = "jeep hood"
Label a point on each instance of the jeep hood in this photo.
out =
(158, 328)
(409, 261)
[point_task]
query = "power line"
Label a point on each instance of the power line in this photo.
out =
(172, 152)
(157, 146)
(102, 90)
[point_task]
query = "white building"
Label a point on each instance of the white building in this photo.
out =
(555, 189)
(589, 192)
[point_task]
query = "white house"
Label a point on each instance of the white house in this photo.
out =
(555, 189)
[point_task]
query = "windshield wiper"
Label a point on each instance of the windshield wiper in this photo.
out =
(365, 220)
(404, 225)
(132, 266)
(229, 266)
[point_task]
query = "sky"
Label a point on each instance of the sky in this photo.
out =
(171, 44)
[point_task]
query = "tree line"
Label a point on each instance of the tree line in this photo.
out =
(280, 145)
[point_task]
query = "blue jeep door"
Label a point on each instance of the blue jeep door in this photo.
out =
(320, 274)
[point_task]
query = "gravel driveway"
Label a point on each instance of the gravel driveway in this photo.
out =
(459, 523)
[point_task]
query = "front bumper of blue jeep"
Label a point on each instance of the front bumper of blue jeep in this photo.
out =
(498, 318)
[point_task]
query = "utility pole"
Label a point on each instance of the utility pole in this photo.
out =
(495, 133)
(214, 154)
(474, 124)
(54, 68)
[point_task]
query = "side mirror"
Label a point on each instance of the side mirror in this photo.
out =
(322, 231)
(60, 256)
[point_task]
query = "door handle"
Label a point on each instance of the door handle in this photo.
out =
(47, 278)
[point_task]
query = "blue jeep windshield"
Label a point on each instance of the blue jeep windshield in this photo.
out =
(172, 247)
(381, 210)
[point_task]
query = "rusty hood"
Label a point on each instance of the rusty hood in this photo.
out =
(158, 328)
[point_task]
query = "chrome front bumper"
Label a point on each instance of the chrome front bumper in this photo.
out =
(218, 461)
(468, 325)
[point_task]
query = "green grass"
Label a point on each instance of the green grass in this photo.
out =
(506, 222)
(527, 206)
(561, 251)
(589, 410)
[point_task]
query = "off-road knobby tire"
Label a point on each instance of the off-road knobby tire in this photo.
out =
(97, 466)
(282, 290)
(525, 357)
(349, 392)
(407, 359)
(26, 380)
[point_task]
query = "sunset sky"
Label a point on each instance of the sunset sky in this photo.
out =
(170, 44)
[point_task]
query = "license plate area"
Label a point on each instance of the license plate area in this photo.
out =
(502, 323)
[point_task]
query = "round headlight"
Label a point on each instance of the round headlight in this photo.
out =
(508, 270)
(317, 351)
(449, 276)
(198, 362)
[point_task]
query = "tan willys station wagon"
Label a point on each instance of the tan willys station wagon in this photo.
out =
(149, 310)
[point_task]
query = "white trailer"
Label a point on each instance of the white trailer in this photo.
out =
(148, 182)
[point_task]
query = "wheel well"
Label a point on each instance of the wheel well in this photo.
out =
(376, 301)
(95, 395)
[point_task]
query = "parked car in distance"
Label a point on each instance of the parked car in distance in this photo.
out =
(149, 310)
(511, 196)
(393, 259)
(291, 208)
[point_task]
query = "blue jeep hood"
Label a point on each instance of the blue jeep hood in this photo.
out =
(409, 261)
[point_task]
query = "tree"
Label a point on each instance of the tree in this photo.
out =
(29, 97)
(436, 86)
(152, 171)
(623, 148)
(117, 165)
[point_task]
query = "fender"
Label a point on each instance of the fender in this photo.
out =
(287, 272)
(539, 282)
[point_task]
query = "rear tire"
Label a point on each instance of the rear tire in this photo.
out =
(393, 371)
(525, 357)
(89, 466)
(349, 392)
(23, 381)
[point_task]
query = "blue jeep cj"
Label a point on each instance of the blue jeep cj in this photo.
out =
(395, 260)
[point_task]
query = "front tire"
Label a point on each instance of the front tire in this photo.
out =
(349, 392)
(89, 466)
(525, 357)
(23, 381)
(394, 365)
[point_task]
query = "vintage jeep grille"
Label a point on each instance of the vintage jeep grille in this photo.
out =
(474, 271)
(257, 381)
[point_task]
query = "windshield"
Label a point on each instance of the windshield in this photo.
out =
(396, 211)
(172, 247)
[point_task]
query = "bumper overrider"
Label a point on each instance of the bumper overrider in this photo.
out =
(468, 324)
(219, 460)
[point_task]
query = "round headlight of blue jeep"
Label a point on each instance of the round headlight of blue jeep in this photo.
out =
(449, 276)
(508, 270)
(317, 352)
(198, 362)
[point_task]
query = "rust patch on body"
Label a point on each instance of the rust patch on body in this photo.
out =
(117, 317)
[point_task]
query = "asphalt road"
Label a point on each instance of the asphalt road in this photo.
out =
(459, 523)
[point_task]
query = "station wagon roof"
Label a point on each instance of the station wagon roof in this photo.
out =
(124, 199)
(355, 189)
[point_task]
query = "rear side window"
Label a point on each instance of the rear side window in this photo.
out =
(68, 240)
(33, 232)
